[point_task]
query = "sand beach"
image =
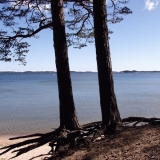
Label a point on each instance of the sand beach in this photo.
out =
(4, 141)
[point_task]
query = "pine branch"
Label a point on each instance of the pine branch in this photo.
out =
(27, 35)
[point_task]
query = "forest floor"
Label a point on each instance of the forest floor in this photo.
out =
(129, 143)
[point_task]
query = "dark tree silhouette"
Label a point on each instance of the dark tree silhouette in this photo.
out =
(11, 43)
(33, 13)
(68, 118)
(38, 17)
(97, 9)
(110, 112)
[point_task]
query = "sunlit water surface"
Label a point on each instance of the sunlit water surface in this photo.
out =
(29, 101)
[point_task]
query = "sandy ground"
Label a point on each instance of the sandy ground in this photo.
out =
(134, 143)
(4, 141)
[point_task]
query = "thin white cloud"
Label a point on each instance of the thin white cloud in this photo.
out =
(151, 4)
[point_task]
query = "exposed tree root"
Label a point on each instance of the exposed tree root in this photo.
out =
(137, 120)
(62, 140)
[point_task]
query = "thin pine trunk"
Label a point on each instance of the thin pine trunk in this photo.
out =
(109, 109)
(68, 118)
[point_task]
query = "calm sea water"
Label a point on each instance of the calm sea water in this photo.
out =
(29, 101)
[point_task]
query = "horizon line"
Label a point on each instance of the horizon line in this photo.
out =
(89, 71)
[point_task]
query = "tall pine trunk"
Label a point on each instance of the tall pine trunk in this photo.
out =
(109, 109)
(68, 118)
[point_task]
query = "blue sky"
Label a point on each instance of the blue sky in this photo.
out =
(135, 45)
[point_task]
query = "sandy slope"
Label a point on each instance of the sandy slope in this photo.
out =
(140, 143)
(134, 143)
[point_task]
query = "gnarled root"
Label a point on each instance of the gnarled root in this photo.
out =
(137, 120)
(60, 140)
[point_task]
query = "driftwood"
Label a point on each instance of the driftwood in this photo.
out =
(62, 140)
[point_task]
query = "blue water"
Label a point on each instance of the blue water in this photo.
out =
(29, 101)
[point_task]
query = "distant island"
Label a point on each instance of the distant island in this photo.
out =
(134, 71)
(125, 71)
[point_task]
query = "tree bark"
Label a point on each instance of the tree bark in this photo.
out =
(109, 109)
(68, 118)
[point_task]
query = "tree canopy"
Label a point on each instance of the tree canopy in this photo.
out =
(27, 18)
